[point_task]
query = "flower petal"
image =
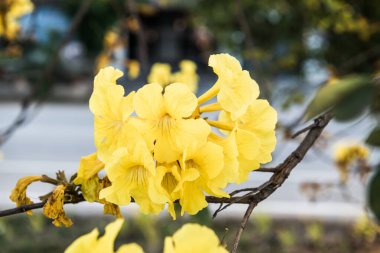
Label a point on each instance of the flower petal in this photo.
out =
(180, 102)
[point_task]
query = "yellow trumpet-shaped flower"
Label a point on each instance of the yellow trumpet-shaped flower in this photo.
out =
(131, 171)
(89, 166)
(255, 136)
(166, 122)
(160, 73)
(235, 89)
(165, 182)
(92, 243)
(112, 113)
(10, 12)
(193, 238)
(200, 168)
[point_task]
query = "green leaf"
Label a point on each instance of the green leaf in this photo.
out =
(331, 94)
(354, 103)
(373, 190)
(374, 137)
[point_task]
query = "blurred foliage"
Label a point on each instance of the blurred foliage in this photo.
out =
(286, 33)
(99, 18)
(348, 97)
(282, 235)
(373, 194)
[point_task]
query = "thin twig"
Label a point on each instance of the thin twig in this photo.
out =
(243, 223)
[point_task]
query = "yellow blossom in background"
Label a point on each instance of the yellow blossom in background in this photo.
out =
(187, 75)
(160, 73)
(111, 42)
(91, 242)
(193, 238)
(133, 69)
(10, 12)
(53, 208)
(346, 155)
(18, 194)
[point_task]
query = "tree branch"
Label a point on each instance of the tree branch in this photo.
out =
(254, 195)
(26, 103)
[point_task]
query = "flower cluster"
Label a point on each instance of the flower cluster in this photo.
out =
(161, 73)
(348, 155)
(190, 238)
(10, 12)
(157, 147)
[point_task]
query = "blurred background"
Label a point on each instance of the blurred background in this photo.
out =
(306, 55)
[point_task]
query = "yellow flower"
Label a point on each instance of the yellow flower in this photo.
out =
(230, 171)
(112, 113)
(53, 208)
(18, 194)
(164, 183)
(131, 171)
(105, 244)
(160, 73)
(199, 169)
(10, 12)
(255, 135)
(89, 166)
(133, 69)
(346, 155)
(187, 75)
(165, 120)
(87, 177)
(193, 238)
(235, 89)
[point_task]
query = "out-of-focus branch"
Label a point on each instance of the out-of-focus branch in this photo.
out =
(46, 75)
(249, 44)
(143, 46)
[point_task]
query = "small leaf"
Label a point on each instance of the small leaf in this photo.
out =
(374, 137)
(334, 92)
(373, 190)
(354, 103)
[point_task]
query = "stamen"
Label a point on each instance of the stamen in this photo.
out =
(221, 125)
(210, 108)
(209, 94)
